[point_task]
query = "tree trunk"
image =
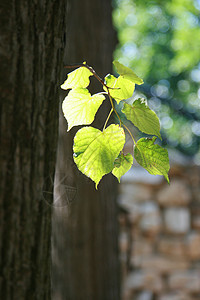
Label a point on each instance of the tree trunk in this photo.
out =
(31, 63)
(85, 228)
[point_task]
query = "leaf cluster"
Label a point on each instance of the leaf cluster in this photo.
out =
(99, 152)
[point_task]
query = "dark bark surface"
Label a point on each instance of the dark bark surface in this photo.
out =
(85, 230)
(31, 63)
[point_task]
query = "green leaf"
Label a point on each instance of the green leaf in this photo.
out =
(127, 73)
(95, 151)
(121, 88)
(78, 78)
(152, 157)
(79, 107)
(122, 164)
(142, 117)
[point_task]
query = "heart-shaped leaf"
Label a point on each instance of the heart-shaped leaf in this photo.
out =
(95, 151)
(79, 107)
(78, 78)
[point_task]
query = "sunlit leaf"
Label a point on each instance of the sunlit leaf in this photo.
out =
(122, 164)
(79, 107)
(152, 157)
(78, 78)
(142, 117)
(95, 151)
(120, 88)
(127, 73)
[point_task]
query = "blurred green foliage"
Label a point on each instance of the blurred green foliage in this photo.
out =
(160, 41)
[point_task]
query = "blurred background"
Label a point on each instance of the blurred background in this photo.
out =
(160, 223)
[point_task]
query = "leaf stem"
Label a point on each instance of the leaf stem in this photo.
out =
(113, 107)
(100, 93)
(129, 133)
(107, 119)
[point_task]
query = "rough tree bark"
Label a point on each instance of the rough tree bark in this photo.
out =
(85, 229)
(31, 63)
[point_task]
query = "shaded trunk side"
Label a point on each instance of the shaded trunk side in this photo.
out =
(85, 229)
